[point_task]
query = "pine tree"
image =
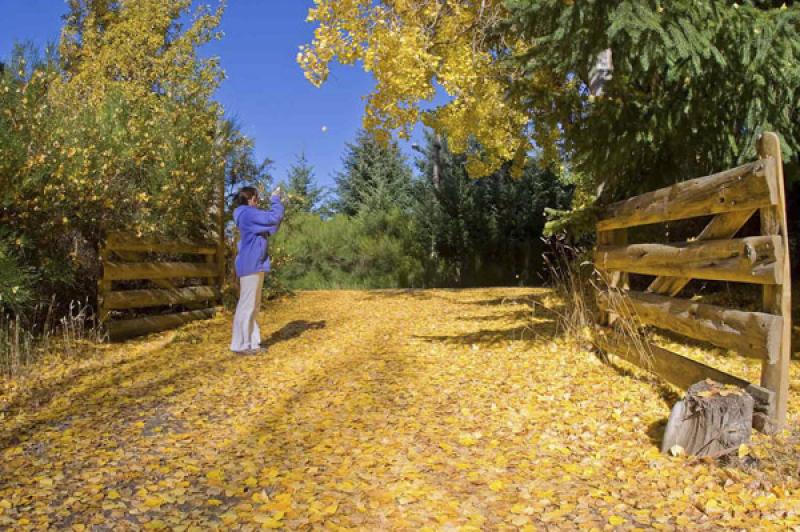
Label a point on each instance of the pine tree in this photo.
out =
(304, 194)
(375, 177)
(484, 231)
(694, 83)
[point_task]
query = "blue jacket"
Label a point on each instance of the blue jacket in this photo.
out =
(255, 227)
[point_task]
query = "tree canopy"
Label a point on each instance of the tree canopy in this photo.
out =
(114, 129)
(694, 82)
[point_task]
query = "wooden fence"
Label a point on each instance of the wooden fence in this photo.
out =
(733, 196)
(192, 285)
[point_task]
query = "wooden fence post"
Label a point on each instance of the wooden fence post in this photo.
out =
(103, 285)
(615, 237)
(777, 298)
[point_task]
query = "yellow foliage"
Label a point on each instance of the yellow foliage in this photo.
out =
(412, 47)
(384, 418)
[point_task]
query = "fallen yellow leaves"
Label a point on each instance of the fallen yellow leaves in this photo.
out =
(370, 411)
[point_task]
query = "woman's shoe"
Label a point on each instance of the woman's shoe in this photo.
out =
(250, 352)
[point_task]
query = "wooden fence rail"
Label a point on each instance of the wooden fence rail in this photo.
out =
(125, 258)
(733, 196)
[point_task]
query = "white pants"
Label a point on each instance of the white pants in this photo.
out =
(245, 328)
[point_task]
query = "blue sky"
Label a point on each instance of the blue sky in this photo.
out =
(265, 88)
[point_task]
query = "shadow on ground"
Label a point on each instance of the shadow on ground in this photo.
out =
(292, 330)
(655, 431)
(529, 332)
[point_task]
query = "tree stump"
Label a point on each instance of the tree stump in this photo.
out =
(712, 420)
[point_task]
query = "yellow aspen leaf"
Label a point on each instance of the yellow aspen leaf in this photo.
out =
(616, 520)
(113, 495)
(216, 475)
(744, 450)
(467, 440)
(153, 502)
(331, 509)
(229, 518)
(520, 520)
(267, 521)
(496, 485)
(677, 450)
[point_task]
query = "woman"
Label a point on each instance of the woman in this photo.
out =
(252, 262)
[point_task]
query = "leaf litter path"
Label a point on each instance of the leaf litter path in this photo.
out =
(437, 410)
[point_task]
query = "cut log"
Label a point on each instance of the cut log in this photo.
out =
(712, 420)
(747, 187)
(752, 334)
(721, 226)
(124, 329)
(757, 259)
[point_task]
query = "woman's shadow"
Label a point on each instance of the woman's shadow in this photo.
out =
(293, 329)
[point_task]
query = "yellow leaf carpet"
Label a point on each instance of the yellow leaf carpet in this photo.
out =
(382, 410)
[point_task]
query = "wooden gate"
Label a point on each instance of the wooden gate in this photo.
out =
(193, 282)
(733, 196)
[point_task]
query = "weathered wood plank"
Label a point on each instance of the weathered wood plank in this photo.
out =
(777, 299)
(747, 187)
(617, 279)
(130, 299)
(748, 333)
(137, 256)
(722, 226)
(756, 260)
(124, 329)
(116, 271)
(125, 242)
(677, 369)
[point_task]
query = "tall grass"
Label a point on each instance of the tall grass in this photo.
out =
(576, 282)
(25, 340)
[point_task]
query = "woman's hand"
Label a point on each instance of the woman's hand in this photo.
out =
(277, 193)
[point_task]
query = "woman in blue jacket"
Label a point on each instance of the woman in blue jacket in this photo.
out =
(252, 262)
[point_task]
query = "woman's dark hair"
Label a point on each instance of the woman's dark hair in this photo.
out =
(244, 196)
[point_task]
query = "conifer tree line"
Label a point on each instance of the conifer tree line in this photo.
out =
(384, 225)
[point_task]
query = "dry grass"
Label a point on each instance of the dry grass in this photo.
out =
(26, 340)
(577, 283)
